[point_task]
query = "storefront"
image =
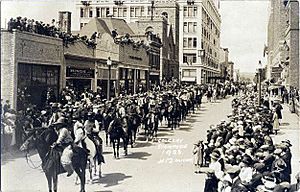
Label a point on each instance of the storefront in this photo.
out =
(154, 78)
(102, 81)
(33, 77)
(79, 78)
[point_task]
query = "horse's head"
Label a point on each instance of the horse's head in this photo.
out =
(28, 144)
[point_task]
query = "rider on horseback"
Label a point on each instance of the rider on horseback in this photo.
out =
(92, 128)
(64, 140)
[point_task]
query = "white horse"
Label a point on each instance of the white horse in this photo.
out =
(83, 141)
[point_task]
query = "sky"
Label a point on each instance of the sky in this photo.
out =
(243, 28)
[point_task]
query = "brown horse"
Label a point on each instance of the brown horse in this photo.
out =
(42, 141)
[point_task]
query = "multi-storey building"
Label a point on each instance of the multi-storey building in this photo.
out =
(141, 11)
(283, 43)
(224, 59)
(199, 42)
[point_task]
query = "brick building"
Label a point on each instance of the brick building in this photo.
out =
(30, 62)
(283, 43)
(34, 62)
(145, 15)
(224, 59)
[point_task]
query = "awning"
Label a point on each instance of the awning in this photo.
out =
(189, 79)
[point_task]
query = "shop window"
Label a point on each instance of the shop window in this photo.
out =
(38, 77)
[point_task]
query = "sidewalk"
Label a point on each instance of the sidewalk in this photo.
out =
(290, 129)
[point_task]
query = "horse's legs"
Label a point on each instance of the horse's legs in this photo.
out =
(100, 173)
(55, 180)
(95, 165)
(81, 175)
(91, 172)
(114, 147)
(118, 146)
(49, 180)
(106, 138)
(125, 143)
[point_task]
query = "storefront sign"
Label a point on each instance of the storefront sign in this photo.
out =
(135, 58)
(80, 73)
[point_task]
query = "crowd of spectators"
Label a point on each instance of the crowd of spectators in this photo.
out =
(52, 30)
(241, 154)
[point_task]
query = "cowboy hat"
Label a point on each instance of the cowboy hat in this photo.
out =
(60, 121)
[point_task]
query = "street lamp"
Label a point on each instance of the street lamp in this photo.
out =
(260, 67)
(108, 62)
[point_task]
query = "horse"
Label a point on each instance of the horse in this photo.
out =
(149, 125)
(107, 120)
(116, 131)
(51, 158)
(95, 152)
(134, 121)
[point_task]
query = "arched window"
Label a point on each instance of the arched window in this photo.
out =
(149, 29)
(165, 14)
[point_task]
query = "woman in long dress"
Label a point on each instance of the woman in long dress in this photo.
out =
(198, 155)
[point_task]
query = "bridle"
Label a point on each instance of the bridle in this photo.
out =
(30, 162)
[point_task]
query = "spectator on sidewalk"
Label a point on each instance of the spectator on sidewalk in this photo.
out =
(275, 120)
(198, 155)
(278, 109)
(6, 107)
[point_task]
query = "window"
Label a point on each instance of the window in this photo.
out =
(149, 10)
(81, 12)
(97, 12)
(185, 28)
(190, 11)
(189, 73)
(81, 25)
(185, 12)
(194, 42)
(190, 42)
(184, 42)
(115, 12)
(90, 13)
(131, 12)
(104, 11)
(124, 12)
(195, 12)
(142, 11)
(189, 58)
(137, 11)
(165, 14)
(195, 27)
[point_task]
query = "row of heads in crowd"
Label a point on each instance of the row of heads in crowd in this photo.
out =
(242, 146)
